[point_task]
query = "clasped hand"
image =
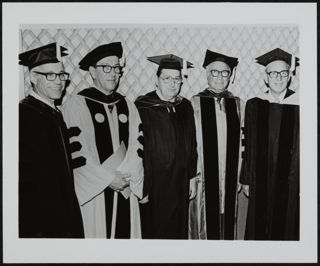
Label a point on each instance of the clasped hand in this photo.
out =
(120, 182)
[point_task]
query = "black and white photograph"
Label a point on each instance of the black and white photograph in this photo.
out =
(159, 132)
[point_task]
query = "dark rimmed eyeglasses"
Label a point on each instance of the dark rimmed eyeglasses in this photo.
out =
(108, 68)
(51, 76)
(224, 73)
(275, 74)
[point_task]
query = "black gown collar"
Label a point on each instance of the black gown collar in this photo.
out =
(210, 94)
(96, 95)
(152, 99)
(287, 94)
(32, 101)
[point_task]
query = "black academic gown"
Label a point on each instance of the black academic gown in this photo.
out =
(217, 225)
(271, 168)
(169, 163)
(48, 206)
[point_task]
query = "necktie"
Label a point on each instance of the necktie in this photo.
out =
(219, 102)
(110, 106)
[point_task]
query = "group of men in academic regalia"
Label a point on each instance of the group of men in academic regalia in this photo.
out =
(164, 167)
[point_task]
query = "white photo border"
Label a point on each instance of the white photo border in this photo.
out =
(17, 250)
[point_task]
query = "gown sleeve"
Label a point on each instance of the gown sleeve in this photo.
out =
(92, 178)
(33, 167)
(197, 221)
(241, 110)
(247, 124)
(194, 154)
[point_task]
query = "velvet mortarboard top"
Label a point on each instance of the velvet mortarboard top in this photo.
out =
(213, 56)
(276, 54)
(169, 61)
(50, 53)
(102, 51)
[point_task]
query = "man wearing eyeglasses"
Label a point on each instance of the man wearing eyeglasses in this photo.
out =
(277, 79)
(170, 155)
(271, 157)
(217, 117)
(110, 183)
(48, 206)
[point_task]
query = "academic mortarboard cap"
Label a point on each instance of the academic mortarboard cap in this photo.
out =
(100, 52)
(171, 61)
(277, 54)
(50, 53)
(214, 56)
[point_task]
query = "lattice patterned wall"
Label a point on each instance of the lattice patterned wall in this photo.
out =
(244, 42)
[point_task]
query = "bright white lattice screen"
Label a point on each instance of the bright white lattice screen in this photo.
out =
(139, 42)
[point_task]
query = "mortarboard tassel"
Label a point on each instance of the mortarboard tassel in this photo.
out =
(293, 64)
(234, 74)
(58, 52)
(184, 68)
(123, 60)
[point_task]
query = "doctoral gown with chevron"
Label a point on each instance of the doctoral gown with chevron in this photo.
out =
(106, 121)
